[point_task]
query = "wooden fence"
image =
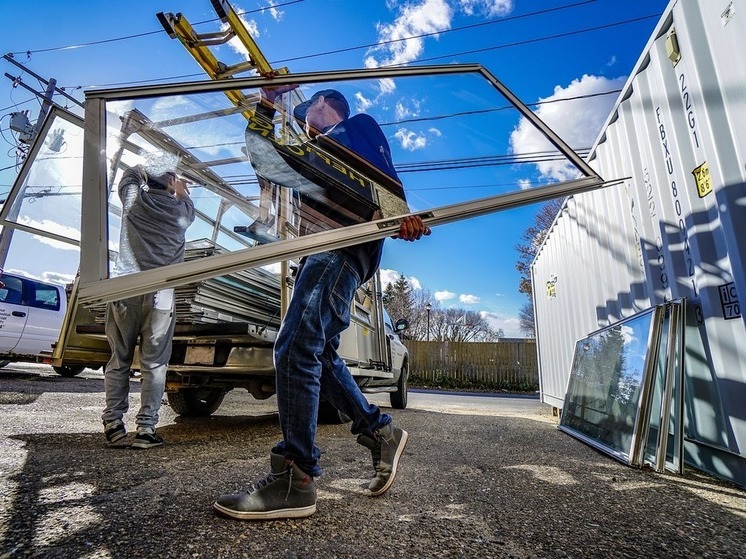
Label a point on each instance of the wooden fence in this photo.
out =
(510, 364)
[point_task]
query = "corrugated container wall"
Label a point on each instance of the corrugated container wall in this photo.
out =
(676, 227)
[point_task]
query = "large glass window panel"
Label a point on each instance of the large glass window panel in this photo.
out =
(451, 140)
(38, 256)
(450, 131)
(48, 196)
(607, 396)
(42, 212)
(665, 438)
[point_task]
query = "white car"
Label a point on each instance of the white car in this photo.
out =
(31, 315)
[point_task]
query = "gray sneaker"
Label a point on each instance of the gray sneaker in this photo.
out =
(147, 438)
(386, 446)
(114, 431)
(285, 492)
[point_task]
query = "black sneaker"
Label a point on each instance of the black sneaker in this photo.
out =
(114, 430)
(285, 492)
(386, 446)
(147, 438)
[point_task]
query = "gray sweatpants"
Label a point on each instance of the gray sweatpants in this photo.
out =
(150, 317)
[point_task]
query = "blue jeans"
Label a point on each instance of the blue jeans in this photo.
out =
(306, 361)
(151, 318)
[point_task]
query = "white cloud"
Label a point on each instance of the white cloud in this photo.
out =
(441, 296)
(52, 227)
(510, 325)
(362, 103)
(487, 7)
(628, 334)
(390, 276)
(48, 277)
(253, 29)
(386, 85)
(403, 40)
(399, 41)
(524, 184)
(468, 299)
(435, 132)
(409, 140)
(276, 14)
(409, 110)
(577, 122)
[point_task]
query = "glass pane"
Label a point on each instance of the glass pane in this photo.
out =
(439, 140)
(53, 261)
(659, 384)
(50, 194)
(605, 385)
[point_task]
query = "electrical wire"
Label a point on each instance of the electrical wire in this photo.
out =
(370, 45)
(435, 33)
(496, 109)
(418, 61)
(28, 53)
(16, 105)
(536, 40)
(443, 164)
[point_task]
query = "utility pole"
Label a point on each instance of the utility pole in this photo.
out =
(9, 58)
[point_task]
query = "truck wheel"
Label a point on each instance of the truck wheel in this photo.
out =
(196, 402)
(330, 415)
(69, 371)
(399, 398)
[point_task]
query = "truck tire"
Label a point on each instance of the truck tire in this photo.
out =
(69, 371)
(196, 402)
(399, 398)
(330, 415)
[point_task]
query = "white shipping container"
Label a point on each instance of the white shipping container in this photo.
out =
(675, 228)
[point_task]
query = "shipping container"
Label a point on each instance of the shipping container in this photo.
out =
(674, 228)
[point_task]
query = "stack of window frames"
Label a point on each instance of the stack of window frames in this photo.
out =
(625, 394)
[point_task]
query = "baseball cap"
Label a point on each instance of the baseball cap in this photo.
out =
(300, 110)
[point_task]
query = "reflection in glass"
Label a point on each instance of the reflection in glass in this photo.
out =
(607, 382)
(441, 155)
(42, 210)
(663, 448)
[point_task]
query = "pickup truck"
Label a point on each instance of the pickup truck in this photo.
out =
(31, 314)
(211, 358)
(226, 321)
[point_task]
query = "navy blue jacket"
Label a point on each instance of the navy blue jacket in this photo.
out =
(360, 134)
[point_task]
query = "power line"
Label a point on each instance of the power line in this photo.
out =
(451, 55)
(423, 35)
(15, 105)
(145, 34)
(536, 40)
(369, 45)
(496, 109)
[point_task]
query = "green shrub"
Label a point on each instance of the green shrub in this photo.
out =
(449, 383)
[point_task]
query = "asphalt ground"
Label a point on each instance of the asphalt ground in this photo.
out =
(482, 476)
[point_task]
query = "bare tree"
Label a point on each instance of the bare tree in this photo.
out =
(527, 324)
(532, 239)
(460, 325)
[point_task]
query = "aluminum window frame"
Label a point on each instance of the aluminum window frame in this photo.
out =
(96, 287)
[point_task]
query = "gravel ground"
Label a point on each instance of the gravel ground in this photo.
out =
(481, 477)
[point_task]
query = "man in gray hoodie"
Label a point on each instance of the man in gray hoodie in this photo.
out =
(156, 212)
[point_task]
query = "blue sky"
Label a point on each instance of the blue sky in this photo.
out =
(540, 50)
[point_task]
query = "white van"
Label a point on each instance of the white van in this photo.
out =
(31, 314)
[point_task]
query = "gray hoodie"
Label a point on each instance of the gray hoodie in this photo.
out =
(154, 223)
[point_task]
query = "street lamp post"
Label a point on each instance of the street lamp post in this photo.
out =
(428, 308)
